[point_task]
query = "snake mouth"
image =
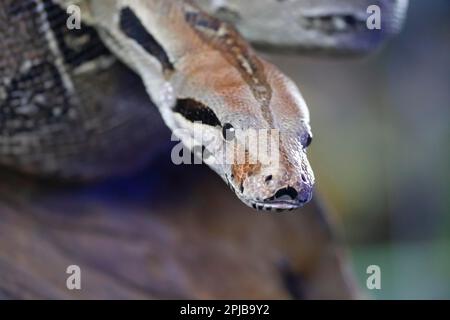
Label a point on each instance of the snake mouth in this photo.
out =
(278, 206)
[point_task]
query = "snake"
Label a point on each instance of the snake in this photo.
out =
(79, 103)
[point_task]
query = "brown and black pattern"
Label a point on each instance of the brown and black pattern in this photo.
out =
(226, 39)
(34, 98)
(34, 94)
(52, 119)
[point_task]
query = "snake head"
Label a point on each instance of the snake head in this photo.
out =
(271, 170)
(246, 117)
(255, 139)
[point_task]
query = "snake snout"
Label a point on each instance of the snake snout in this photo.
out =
(305, 195)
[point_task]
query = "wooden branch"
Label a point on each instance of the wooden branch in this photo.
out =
(170, 232)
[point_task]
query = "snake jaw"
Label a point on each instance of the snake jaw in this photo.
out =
(286, 203)
(278, 206)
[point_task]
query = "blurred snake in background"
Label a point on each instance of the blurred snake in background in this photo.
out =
(72, 103)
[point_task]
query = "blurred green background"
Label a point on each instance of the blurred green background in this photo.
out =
(381, 152)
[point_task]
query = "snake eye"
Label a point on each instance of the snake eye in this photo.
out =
(308, 140)
(228, 132)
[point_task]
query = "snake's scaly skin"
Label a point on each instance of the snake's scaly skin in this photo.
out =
(69, 107)
(53, 119)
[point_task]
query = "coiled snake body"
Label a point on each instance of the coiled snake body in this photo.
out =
(69, 108)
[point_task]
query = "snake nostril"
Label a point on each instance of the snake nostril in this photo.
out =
(305, 195)
(268, 178)
(304, 178)
(289, 191)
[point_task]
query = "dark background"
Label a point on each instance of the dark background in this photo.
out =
(381, 151)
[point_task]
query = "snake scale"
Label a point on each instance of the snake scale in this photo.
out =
(79, 103)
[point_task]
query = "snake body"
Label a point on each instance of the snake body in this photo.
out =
(77, 103)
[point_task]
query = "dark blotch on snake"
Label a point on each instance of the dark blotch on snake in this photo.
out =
(194, 110)
(133, 28)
